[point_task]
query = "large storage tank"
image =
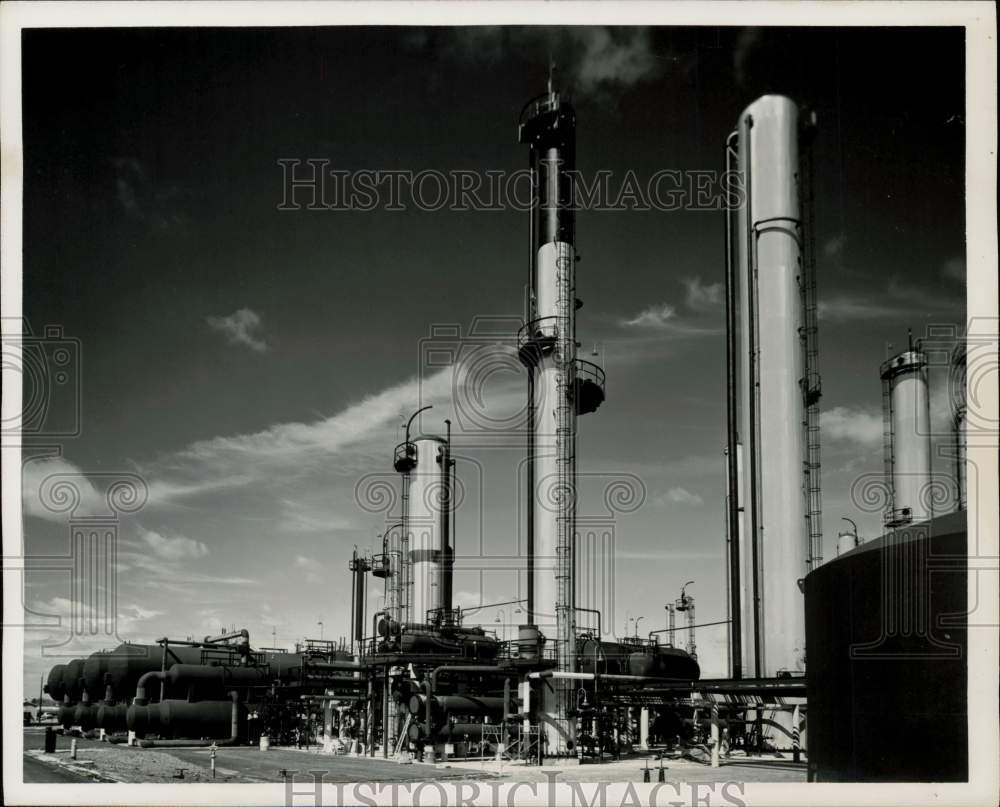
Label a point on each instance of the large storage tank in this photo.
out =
(887, 684)
(775, 388)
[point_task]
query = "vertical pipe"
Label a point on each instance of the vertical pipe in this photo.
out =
(530, 548)
(751, 303)
(354, 583)
(715, 733)
(386, 694)
(796, 741)
(732, 440)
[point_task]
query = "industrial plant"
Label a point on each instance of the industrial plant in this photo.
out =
(823, 656)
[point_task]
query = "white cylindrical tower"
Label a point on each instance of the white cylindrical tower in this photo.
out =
(425, 462)
(561, 387)
(775, 387)
(846, 541)
(906, 412)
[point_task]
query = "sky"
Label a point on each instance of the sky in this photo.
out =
(253, 365)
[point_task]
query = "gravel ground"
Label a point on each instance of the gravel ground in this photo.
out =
(139, 765)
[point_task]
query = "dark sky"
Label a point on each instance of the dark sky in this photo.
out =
(151, 195)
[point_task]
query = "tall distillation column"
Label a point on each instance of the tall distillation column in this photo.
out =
(425, 462)
(907, 437)
(560, 388)
(774, 387)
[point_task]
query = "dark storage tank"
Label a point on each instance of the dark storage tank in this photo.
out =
(127, 663)
(886, 632)
(95, 667)
(611, 658)
(54, 685)
(72, 673)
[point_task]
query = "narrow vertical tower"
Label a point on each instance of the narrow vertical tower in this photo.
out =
(560, 388)
(425, 462)
(907, 438)
(959, 423)
(774, 387)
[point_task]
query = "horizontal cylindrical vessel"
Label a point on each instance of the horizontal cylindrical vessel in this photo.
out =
(54, 684)
(181, 719)
(95, 668)
(444, 705)
(71, 679)
(610, 658)
(451, 732)
(112, 717)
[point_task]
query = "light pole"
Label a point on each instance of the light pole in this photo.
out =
(274, 636)
(637, 621)
(502, 621)
(320, 623)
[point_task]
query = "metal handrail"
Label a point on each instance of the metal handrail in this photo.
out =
(533, 330)
(587, 369)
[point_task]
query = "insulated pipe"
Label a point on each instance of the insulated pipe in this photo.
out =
(140, 698)
(732, 438)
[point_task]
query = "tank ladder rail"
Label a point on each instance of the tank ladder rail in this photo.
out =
(564, 358)
(888, 461)
(812, 388)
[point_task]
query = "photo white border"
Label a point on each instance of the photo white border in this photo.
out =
(979, 20)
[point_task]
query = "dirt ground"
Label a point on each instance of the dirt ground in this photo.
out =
(106, 762)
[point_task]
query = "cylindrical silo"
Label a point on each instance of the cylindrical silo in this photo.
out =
(427, 529)
(906, 411)
(775, 387)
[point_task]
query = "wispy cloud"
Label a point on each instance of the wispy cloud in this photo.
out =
(610, 58)
(173, 548)
(590, 60)
(954, 268)
(42, 500)
(844, 424)
(656, 316)
(834, 247)
(846, 308)
(680, 496)
(240, 328)
(701, 296)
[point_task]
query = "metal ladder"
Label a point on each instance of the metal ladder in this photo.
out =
(402, 735)
(812, 385)
(564, 357)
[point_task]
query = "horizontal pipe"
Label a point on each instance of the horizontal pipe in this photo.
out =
(140, 687)
(464, 668)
